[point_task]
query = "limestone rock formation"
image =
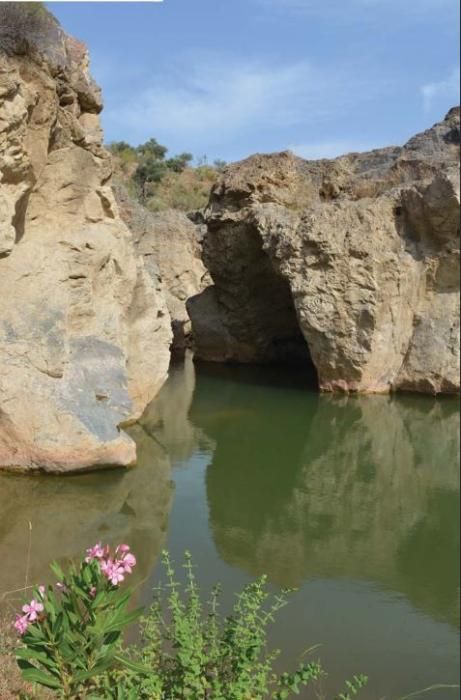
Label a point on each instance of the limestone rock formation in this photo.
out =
(171, 247)
(350, 265)
(84, 333)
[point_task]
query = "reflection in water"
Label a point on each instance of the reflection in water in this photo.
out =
(304, 486)
(353, 499)
(167, 417)
(70, 513)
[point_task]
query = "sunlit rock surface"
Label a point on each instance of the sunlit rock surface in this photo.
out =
(84, 333)
(170, 245)
(349, 266)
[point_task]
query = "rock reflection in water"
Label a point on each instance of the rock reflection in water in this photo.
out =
(71, 513)
(304, 486)
(167, 420)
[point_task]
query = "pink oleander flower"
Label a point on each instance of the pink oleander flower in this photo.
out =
(21, 624)
(41, 590)
(113, 568)
(127, 562)
(32, 610)
(92, 591)
(106, 565)
(115, 573)
(122, 548)
(96, 552)
(62, 587)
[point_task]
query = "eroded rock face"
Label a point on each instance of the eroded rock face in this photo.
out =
(360, 255)
(84, 333)
(171, 247)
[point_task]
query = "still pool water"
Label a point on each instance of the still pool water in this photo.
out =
(354, 501)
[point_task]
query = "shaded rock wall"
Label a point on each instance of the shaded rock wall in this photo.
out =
(84, 333)
(359, 254)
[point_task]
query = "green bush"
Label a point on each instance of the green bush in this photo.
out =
(188, 651)
(193, 653)
(152, 166)
(71, 632)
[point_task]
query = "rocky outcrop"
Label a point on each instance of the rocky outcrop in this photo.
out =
(84, 333)
(349, 265)
(171, 247)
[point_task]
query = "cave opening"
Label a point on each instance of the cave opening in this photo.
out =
(257, 305)
(288, 347)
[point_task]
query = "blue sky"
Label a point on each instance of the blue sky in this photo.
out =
(228, 78)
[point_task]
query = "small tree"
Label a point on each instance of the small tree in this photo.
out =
(117, 147)
(149, 171)
(180, 162)
(152, 149)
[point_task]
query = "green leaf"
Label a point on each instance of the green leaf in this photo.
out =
(96, 670)
(132, 665)
(26, 653)
(57, 571)
(123, 620)
(34, 631)
(33, 675)
(111, 637)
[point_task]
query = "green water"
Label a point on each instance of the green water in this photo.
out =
(353, 501)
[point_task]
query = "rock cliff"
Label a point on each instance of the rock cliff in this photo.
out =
(349, 266)
(171, 247)
(84, 332)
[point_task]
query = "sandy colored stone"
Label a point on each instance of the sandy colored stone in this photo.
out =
(84, 332)
(171, 247)
(350, 266)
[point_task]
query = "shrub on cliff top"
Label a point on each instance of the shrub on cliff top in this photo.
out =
(25, 26)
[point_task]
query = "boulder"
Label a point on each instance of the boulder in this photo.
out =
(350, 266)
(84, 330)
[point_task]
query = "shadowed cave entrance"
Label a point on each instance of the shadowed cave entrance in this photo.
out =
(254, 304)
(284, 344)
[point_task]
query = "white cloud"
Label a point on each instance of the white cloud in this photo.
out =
(330, 149)
(216, 96)
(446, 89)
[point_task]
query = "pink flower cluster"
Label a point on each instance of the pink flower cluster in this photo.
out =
(115, 567)
(31, 613)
